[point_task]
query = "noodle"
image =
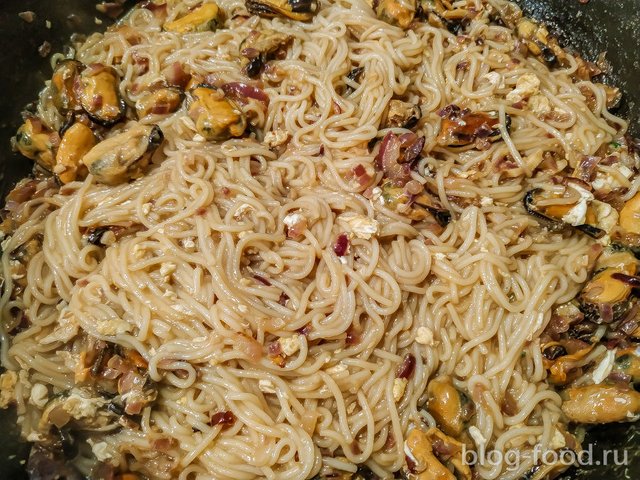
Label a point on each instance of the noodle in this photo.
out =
(207, 278)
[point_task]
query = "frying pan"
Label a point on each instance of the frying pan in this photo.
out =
(611, 26)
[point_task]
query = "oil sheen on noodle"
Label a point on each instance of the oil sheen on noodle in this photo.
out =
(181, 290)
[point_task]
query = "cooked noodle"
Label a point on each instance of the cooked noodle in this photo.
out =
(197, 286)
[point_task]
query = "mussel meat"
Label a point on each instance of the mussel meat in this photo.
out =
(201, 19)
(572, 205)
(35, 141)
(462, 127)
(124, 155)
(302, 10)
(630, 215)
(396, 12)
(429, 462)
(63, 85)
(402, 115)
(261, 46)
(607, 289)
(417, 207)
(539, 42)
(628, 362)
(76, 142)
(161, 101)
(449, 407)
(601, 403)
(217, 118)
(97, 91)
(78, 406)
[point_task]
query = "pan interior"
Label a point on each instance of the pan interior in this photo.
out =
(592, 28)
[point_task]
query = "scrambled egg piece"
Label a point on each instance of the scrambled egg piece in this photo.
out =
(266, 386)
(67, 329)
(526, 86)
(399, 387)
(289, 345)
(275, 138)
(425, 336)
(360, 225)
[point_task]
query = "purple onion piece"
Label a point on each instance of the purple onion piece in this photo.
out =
(406, 368)
(341, 247)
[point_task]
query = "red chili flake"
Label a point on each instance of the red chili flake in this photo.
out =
(225, 418)
(406, 368)
(283, 299)
(262, 280)
(201, 211)
(341, 247)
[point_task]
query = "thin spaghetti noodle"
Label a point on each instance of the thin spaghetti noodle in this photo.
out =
(231, 312)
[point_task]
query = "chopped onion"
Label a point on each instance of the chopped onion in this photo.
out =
(406, 368)
(241, 92)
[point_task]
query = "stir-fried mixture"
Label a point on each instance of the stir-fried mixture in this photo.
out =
(295, 239)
